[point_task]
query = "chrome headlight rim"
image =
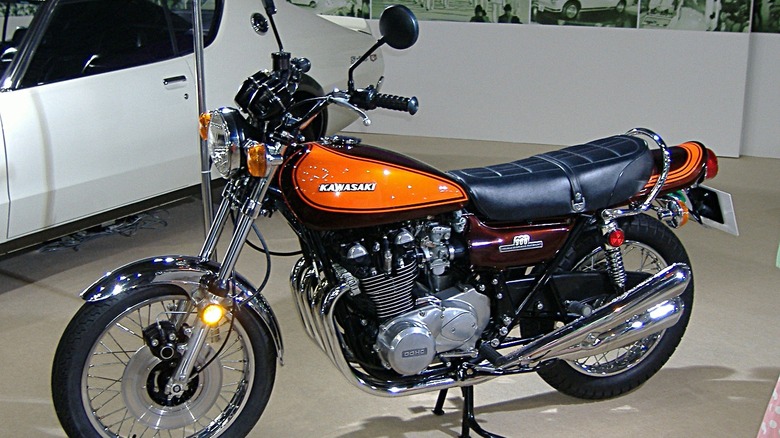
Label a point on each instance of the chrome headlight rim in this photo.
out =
(224, 140)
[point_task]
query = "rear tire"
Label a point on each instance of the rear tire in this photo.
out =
(106, 382)
(650, 246)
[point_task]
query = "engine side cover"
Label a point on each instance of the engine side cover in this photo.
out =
(407, 345)
(409, 342)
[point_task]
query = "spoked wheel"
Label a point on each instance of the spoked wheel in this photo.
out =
(637, 257)
(106, 380)
(650, 246)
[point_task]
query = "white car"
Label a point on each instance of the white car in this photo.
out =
(98, 108)
(570, 9)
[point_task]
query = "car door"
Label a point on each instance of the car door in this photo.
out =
(3, 189)
(105, 114)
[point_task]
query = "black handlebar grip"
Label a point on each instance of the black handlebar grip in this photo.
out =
(397, 103)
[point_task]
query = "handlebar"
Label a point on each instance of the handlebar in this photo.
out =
(397, 103)
(369, 99)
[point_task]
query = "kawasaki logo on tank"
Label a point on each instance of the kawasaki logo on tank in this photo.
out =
(347, 187)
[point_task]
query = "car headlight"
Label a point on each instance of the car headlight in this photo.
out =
(224, 138)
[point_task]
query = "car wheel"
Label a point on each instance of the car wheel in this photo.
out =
(570, 10)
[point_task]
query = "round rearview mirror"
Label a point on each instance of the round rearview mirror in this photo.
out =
(398, 27)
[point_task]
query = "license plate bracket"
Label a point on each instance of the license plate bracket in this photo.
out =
(713, 208)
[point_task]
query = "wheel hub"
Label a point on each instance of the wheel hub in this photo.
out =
(157, 382)
(144, 391)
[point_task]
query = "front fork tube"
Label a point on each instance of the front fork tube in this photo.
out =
(248, 212)
(179, 382)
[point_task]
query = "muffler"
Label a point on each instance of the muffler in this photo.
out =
(648, 308)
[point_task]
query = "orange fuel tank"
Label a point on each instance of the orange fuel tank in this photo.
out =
(336, 187)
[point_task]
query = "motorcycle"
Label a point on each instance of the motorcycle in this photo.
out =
(410, 279)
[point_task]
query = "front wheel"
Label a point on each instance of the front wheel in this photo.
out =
(106, 381)
(649, 247)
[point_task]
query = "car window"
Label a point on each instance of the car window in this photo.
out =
(16, 16)
(87, 37)
(181, 22)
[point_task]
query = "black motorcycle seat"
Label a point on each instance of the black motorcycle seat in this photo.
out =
(583, 178)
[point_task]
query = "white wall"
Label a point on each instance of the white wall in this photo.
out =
(762, 110)
(566, 84)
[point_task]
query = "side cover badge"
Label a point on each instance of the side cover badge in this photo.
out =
(521, 242)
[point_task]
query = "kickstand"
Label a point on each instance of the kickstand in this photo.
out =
(469, 422)
(439, 408)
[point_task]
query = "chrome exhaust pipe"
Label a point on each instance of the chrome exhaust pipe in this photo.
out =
(316, 304)
(648, 308)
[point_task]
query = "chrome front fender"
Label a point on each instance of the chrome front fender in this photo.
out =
(184, 272)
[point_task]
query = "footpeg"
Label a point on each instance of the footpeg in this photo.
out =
(490, 353)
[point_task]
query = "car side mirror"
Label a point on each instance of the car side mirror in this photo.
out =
(399, 27)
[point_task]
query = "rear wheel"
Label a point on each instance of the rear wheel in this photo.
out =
(650, 246)
(107, 382)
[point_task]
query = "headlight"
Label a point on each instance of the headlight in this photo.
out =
(224, 141)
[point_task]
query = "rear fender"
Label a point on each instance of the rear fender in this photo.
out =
(184, 272)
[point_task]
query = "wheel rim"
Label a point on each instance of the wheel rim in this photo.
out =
(637, 257)
(120, 368)
(570, 11)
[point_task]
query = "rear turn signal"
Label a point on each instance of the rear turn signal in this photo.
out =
(712, 165)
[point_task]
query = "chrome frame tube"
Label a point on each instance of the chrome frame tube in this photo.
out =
(614, 213)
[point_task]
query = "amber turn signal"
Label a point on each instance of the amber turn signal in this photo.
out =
(203, 122)
(212, 314)
(256, 160)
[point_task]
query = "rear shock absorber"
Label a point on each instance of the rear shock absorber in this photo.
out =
(614, 238)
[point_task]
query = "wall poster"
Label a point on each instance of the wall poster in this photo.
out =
(697, 15)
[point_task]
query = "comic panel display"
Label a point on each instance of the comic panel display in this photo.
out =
(701, 15)
(766, 16)
(707, 15)
(480, 11)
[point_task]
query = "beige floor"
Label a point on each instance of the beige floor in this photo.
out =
(717, 384)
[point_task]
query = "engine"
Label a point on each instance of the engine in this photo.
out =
(410, 304)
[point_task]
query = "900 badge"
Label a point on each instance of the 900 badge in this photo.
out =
(521, 242)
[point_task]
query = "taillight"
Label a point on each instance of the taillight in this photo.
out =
(712, 165)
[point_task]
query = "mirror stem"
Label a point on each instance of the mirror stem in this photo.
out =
(276, 32)
(351, 83)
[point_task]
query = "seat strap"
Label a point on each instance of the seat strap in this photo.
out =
(577, 198)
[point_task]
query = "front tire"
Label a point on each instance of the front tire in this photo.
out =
(107, 383)
(650, 246)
